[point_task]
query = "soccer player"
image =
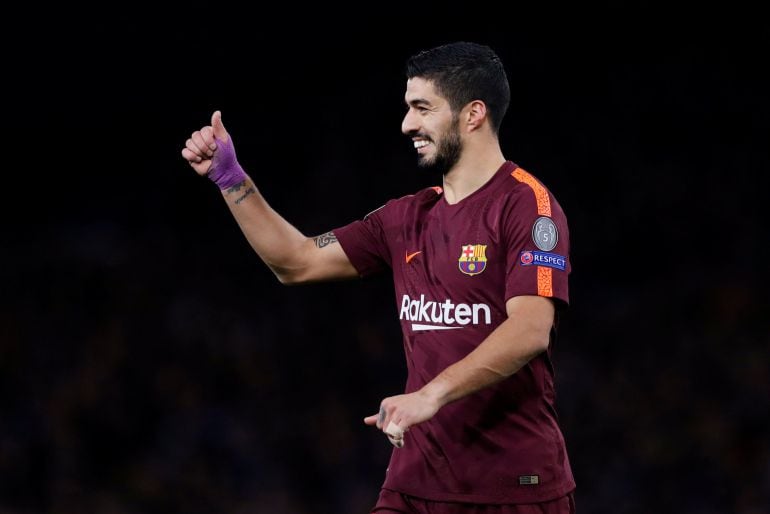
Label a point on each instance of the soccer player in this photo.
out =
(480, 268)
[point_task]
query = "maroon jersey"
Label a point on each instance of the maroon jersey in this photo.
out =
(454, 268)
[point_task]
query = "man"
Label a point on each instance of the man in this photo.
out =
(480, 266)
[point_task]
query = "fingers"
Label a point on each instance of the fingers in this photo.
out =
(200, 142)
(190, 155)
(394, 430)
(207, 134)
(197, 148)
(398, 443)
(385, 414)
(395, 435)
(384, 420)
(218, 126)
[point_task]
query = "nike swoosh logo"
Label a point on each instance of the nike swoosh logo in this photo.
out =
(410, 256)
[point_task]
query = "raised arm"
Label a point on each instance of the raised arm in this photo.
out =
(292, 256)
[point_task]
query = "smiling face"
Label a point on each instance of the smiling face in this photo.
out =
(432, 126)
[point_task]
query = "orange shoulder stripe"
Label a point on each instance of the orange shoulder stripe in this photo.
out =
(544, 274)
(541, 195)
(544, 281)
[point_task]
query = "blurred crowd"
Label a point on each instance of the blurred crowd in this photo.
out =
(149, 362)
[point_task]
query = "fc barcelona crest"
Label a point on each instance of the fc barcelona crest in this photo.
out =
(473, 259)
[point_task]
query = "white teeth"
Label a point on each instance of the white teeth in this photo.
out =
(420, 144)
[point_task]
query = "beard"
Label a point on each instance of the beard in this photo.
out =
(448, 151)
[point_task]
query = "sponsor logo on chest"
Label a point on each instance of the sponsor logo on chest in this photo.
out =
(446, 315)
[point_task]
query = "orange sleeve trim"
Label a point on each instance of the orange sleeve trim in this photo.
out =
(437, 189)
(541, 194)
(544, 281)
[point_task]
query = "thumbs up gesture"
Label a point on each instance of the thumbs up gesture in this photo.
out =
(211, 153)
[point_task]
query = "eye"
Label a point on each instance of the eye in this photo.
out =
(421, 109)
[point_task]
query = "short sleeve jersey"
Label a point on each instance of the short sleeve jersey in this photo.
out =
(454, 267)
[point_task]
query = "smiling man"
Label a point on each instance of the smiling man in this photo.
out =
(480, 268)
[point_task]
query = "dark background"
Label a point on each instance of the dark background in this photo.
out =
(149, 362)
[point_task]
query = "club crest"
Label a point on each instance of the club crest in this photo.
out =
(473, 259)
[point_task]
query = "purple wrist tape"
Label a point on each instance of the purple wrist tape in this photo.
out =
(225, 171)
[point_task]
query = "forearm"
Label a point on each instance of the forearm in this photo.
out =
(506, 350)
(293, 257)
(279, 244)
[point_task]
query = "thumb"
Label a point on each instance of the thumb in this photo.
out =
(219, 129)
(371, 420)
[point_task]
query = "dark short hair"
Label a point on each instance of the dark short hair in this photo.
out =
(462, 72)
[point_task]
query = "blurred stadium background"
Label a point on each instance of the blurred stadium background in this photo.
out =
(149, 362)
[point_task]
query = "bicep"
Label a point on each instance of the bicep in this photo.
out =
(533, 315)
(324, 259)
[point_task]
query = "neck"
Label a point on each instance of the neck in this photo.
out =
(474, 169)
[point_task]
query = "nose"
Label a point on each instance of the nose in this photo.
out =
(409, 125)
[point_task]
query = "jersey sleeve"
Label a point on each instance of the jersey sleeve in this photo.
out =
(537, 242)
(365, 244)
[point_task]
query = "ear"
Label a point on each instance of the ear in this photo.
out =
(475, 115)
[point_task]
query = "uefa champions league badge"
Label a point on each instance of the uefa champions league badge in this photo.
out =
(473, 259)
(544, 234)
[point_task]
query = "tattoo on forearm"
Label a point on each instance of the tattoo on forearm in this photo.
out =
(237, 187)
(325, 239)
(245, 194)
